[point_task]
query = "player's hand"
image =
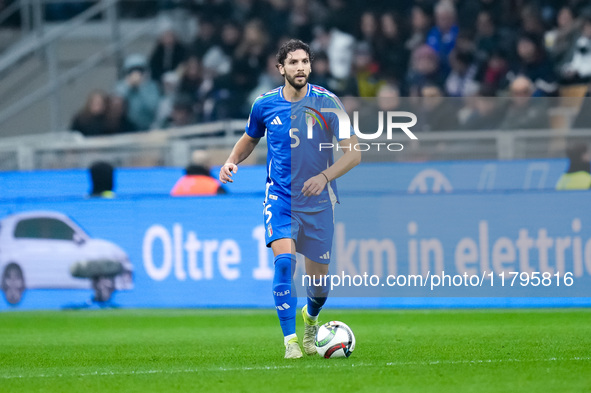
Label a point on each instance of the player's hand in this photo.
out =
(226, 172)
(314, 185)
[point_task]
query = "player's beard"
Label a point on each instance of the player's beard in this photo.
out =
(294, 84)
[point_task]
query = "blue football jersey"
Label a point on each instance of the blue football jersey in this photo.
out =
(295, 134)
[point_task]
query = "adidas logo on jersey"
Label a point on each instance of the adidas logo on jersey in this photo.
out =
(276, 121)
(326, 255)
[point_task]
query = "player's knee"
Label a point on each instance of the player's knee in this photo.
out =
(284, 264)
(316, 269)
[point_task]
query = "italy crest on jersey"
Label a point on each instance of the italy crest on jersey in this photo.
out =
(310, 120)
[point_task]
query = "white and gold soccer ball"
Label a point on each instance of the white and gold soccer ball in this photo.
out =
(335, 340)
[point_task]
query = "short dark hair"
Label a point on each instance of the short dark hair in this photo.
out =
(292, 46)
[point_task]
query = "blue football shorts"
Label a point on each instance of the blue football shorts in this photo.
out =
(312, 231)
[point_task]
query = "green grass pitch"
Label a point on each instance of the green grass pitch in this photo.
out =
(242, 351)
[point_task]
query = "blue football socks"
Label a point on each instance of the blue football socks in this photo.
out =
(285, 298)
(317, 295)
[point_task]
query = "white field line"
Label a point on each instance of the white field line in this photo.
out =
(329, 364)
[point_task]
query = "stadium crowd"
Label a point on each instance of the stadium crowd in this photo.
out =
(471, 50)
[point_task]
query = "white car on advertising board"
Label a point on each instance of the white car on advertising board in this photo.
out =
(38, 249)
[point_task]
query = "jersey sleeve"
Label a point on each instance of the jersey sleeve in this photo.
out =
(255, 127)
(332, 101)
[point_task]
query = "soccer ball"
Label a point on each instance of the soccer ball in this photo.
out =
(335, 340)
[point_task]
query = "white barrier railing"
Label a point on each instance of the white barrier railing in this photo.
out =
(174, 147)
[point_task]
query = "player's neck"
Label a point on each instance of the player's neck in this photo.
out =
(292, 94)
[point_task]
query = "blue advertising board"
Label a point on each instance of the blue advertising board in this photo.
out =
(210, 251)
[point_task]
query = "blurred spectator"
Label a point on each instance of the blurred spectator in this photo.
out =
(510, 18)
(340, 51)
(230, 92)
(366, 71)
(493, 7)
(578, 68)
(197, 179)
(140, 92)
(205, 38)
(302, 19)
(578, 176)
(424, 69)
(368, 29)
(487, 111)
(531, 19)
(253, 48)
(193, 82)
(436, 112)
(465, 43)
(116, 121)
(365, 44)
(559, 40)
(487, 39)
(342, 15)
(534, 64)
(321, 76)
(320, 42)
(91, 120)
(496, 70)
(167, 55)
(391, 53)
(276, 15)
(243, 10)
(469, 11)
(170, 83)
(182, 113)
(388, 97)
(421, 21)
(270, 78)
(463, 75)
(320, 71)
(442, 37)
(101, 177)
(524, 111)
(218, 59)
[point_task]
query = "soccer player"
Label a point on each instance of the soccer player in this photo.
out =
(301, 189)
